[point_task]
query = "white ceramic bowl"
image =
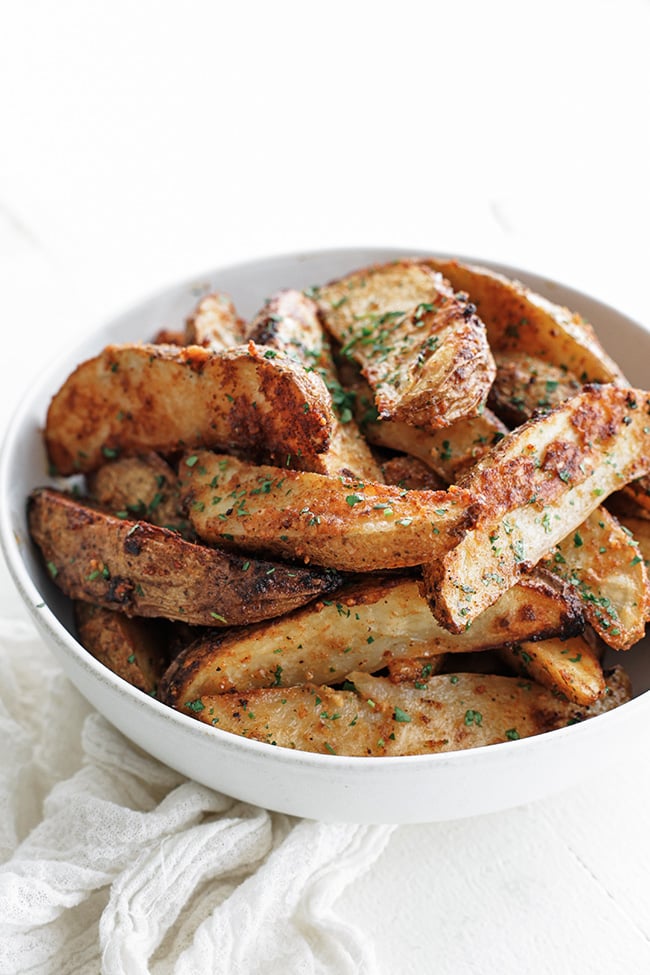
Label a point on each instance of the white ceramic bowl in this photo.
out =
(329, 787)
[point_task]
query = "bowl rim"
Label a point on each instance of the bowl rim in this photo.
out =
(44, 617)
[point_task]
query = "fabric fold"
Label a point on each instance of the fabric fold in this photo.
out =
(115, 863)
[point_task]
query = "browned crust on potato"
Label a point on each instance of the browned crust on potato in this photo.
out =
(143, 487)
(134, 649)
(532, 489)
(363, 626)
(290, 322)
(131, 399)
(144, 570)
(525, 385)
(517, 319)
(353, 525)
(423, 351)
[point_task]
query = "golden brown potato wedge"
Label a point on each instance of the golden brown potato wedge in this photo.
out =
(144, 570)
(518, 320)
(570, 667)
(363, 626)
(533, 489)
(604, 563)
(423, 351)
(143, 487)
(448, 452)
(525, 385)
(374, 716)
(357, 526)
(131, 399)
(134, 649)
(214, 324)
(290, 322)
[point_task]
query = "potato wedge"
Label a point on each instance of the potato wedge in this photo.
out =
(604, 563)
(357, 526)
(131, 399)
(290, 322)
(214, 324)
(144, 570)
(518, 320)
(408, 472)
(363, 626)
(423, 351)
(143, 487)
(533, 489)
(570, 667)
(448, 452)
(132, 648)
(378, 717)
(640, 528)
(525, 385)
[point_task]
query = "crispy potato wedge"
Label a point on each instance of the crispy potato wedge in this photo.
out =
(131, 399)
(132, 648)
(144, 570)
(214, 324)
(570, 667)
(518, 320)
(423, 351)
(290, 322)
(378, 717)
(143, 487)
(357, 526)
(533, 489)
(525, 385)
(604, 563)
(364, 626)
(448, 452)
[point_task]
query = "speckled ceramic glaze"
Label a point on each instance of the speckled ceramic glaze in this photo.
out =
(401, 790)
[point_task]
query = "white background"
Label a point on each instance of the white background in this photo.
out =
(144, 142)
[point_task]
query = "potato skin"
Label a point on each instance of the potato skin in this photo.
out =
(144, 570)
(423, 350)
(131, 399)
(134, 649)
(290, 322)
(355, 526)
(143, 487)
(534, 488)
(518, 320)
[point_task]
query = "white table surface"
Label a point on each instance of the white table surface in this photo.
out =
(144, 142)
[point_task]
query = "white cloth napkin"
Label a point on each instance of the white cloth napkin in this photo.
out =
(113, 863)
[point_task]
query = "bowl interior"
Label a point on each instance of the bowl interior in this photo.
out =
(23, 466)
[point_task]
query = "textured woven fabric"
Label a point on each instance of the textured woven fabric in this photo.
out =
(113, 863)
